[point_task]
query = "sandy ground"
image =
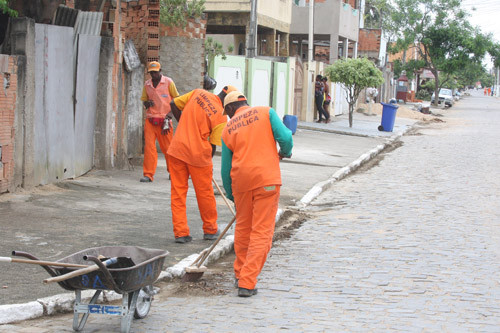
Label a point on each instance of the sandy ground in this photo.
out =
(404, 111)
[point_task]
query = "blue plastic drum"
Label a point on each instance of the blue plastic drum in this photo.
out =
(290, 122)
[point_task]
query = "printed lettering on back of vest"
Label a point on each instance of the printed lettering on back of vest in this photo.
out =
(247, 118)
(206, 104)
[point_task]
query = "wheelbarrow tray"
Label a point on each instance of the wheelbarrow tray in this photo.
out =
(135, 283)
(147, 268)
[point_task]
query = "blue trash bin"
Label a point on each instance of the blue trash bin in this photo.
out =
(388, 117)
(290, 121)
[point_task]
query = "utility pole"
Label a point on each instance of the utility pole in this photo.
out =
(311, 31)
(252, 36)
(310, 71)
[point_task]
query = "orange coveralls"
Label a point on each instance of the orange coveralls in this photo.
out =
(190, 153)
(161, 97)
(255, 177)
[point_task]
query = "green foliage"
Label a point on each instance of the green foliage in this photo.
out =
(494, 52)
(4, 8)
(469, 74)
(377, 15)
(447, 41)
(487, 80)
(213, 49)
(410, 67)
(355, 75)
(175, 13)
(423, 94)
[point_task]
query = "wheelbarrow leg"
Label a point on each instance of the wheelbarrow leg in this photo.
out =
(128, 310)
(78, 325)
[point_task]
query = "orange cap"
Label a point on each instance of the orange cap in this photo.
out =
(154, 66)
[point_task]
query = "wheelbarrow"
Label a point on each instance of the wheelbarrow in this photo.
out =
(134, 283)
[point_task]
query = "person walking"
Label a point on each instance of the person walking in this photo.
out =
(200, 117)
(156, 97)
(319, 89)
(251, 173)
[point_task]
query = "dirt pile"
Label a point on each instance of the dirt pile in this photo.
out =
(403, 112)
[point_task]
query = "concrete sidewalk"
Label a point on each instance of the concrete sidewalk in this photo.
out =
(114, 208)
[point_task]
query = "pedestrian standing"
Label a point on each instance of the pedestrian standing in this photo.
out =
(327, 98)
(319, 88)
(156, 97)
(251, 173)
(200, 117)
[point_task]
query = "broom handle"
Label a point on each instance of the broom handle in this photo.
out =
(205, 255)
(41, 262)
(224, 197)
(79, 272)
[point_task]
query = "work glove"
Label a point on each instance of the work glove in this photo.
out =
(148, 104)
(167, 125)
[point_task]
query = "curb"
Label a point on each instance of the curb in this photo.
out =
(334, 131)
(63, 303)
(320, 187)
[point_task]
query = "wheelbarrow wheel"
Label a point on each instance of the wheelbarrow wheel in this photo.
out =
(144, 300)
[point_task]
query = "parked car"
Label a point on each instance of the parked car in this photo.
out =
(445, 96)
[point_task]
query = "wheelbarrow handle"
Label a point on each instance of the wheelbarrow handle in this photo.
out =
(41, 262)
(79, 272)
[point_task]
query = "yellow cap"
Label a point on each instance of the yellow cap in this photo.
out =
(233, 96)
(154, 66)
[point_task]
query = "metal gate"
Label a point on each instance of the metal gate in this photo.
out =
(64, 125)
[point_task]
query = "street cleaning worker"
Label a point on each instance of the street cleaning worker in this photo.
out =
(157, 94)
(251, 173)
(200, 117)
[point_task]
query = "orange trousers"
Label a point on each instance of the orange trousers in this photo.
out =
(253, 235)
(151, 134)
(202, 183)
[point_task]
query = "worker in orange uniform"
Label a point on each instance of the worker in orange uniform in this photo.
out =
(157, 94)
(200, 117)
(251, 172)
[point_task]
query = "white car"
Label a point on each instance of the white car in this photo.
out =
(445, 95)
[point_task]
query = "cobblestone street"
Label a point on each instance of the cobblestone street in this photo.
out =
(411, 244)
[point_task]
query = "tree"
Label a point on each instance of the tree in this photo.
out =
(213, 49)
(439, 29)
(355, 75)
(487, 80)
(4, 8)
(174, 13)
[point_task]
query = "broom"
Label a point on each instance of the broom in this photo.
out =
(195, 271)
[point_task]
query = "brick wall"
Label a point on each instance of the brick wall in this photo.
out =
(134, 27)
(369, 39)
(8, 92)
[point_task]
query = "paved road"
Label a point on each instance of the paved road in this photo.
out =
(412, 244)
